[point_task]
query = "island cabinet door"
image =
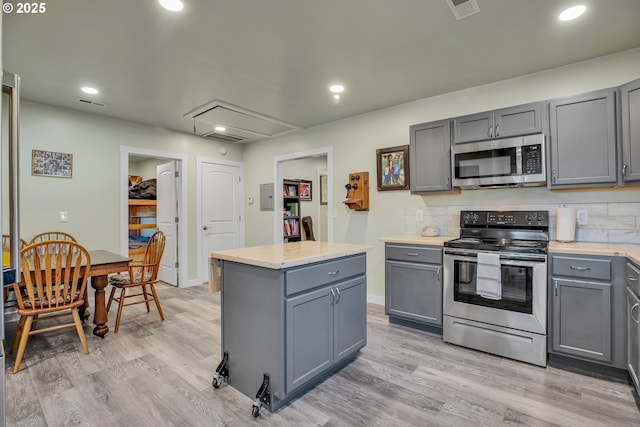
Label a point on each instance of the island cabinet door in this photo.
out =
(350, 318)
(309, 335)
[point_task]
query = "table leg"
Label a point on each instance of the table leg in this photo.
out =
(84, 309)
(100, 316)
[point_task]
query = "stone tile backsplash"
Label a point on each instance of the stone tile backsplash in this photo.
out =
(608, 222)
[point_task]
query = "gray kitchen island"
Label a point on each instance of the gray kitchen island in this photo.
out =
(292, 314)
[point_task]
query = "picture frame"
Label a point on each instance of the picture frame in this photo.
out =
(51, 164)
(393, 168)
(304, 190)
(324, 189)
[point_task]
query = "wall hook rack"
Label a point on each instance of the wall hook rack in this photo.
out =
(357, 191)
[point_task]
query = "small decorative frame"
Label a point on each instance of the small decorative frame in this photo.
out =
(304, 190)
(393, 168)
(324, 189)
(51, 164)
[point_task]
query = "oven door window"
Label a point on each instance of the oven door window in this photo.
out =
(488, 163)
(517, 287)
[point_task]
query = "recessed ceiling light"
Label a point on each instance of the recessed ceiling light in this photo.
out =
(90, 90)
(572, 13)
(172, 5)
(336, 88)
(220, 128)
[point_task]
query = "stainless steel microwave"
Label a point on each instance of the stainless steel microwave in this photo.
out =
(509, 162)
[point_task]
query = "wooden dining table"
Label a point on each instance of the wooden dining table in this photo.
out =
(103, 263)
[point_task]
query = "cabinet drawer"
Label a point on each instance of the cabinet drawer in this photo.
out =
(414, 254)
(312, 276)
(595, 269)
(632, 276)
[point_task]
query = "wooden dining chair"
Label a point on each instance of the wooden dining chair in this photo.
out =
(54, 279)
(142, 275)
(52, 235)
(307, 226)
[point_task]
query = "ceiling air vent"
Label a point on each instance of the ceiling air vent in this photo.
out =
(463, 8)
(241, 125)
(223, 137)
(89, 102)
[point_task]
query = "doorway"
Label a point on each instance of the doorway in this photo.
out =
(278, 176)
(175, 266)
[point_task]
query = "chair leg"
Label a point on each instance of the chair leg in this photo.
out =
(113, 292)
(24, 337)
(120, 305)
(78, 323)
(146, 297)
(157, 300)
(18, 334)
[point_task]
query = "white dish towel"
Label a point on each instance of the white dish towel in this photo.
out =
(489, 276)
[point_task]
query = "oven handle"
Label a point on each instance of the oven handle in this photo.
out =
(508, 260)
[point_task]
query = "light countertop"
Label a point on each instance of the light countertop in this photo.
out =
(290, 254)
(416, 239)
(628, 250)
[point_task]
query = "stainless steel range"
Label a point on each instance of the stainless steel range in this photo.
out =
(495, 284)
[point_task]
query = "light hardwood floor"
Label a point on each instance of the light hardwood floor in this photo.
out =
(154, 373)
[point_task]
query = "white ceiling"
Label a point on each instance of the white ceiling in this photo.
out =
(278, 57)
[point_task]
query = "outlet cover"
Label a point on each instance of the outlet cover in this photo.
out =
(582, 215)
(419, 215)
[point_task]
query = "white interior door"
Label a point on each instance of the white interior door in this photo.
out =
(221, 200)
(167, 220)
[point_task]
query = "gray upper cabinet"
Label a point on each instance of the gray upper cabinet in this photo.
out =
(630, 111)
(430, 157)
(504, 123)
(582, 133)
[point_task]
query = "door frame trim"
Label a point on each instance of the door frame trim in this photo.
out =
(202, 269)
(183, 224)
(277, 196)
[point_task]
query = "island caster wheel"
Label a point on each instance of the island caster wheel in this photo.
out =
(217, 381)
(255, 411)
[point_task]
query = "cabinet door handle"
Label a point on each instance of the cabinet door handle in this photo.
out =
(555, 285)
(490, 134)
(333, 296)
(554, 177)
(625, 171)
(338, 293)
(412, 254)
(497, 131)
(333, 273)
(635, 319)
(632, 278)
(573, 267)
(438, 274)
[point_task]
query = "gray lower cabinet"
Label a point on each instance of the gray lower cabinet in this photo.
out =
(518, 120)
(323, 327)
(413, 283)
(587, 305)
(298, 325)
(630, 112)
(633, 323)
(582, 138)
(430, 157)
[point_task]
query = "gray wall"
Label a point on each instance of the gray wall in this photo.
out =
(92, 196)
(355, 140)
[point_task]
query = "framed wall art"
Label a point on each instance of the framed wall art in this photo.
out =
(393, 168)
(324, 189)
(304, 190)
(51, 164)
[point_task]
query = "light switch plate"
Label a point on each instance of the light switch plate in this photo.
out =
(63, 216)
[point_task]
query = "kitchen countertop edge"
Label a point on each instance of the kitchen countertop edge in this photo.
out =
(417, 239)
(286, 255)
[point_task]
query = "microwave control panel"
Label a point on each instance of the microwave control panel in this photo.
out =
(532, 159)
